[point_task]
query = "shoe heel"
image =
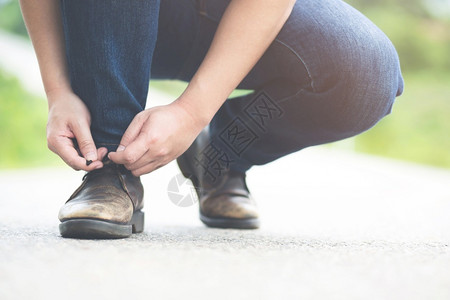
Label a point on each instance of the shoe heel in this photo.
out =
(137, 221)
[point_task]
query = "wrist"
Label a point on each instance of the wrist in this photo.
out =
(198, 114)
(57, 90)
(202, 99)
(57, 94)
(55, 78)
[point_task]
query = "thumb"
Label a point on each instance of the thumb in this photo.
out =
(85, 142)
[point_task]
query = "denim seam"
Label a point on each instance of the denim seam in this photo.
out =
(302, 61)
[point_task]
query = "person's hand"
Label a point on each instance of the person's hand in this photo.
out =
(68, 119)
(155, 137)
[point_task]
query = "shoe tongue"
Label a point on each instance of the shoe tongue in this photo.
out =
(109, 164)
(108, 175)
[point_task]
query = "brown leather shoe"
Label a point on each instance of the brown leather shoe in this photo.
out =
(107, 205)
(225, 200)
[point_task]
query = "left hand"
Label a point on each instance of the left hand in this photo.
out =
(155, 137)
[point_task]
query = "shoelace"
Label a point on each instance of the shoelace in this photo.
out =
(107, 165)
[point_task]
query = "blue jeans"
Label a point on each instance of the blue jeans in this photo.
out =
(329, 74)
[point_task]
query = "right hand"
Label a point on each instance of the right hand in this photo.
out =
(69, 118)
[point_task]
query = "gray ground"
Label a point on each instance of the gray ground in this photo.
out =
(335, 226)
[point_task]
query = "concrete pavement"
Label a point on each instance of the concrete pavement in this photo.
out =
(340, 227)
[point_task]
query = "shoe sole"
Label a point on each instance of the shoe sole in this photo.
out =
(98, 229)
(251, 223)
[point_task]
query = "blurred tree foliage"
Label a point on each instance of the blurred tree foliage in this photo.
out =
(419, 127)
(11, 17)
(22, 127)
(422, 39)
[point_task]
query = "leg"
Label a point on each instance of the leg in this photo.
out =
(109, 47)
(330, 74)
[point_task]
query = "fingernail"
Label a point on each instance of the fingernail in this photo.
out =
(99, 167)
(120, 148)
(90, 156)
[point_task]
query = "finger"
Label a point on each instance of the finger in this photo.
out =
(144, 160)
(101, 153)
(132, 132)
(85, 142)
(132, 153)
(64, 147)
(147, 168)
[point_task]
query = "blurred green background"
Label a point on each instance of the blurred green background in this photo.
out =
(417, 131)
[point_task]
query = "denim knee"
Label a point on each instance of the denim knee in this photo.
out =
(369, 80)
(353, 68)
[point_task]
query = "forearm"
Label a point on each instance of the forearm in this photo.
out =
(43, 21)
(246, 30)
